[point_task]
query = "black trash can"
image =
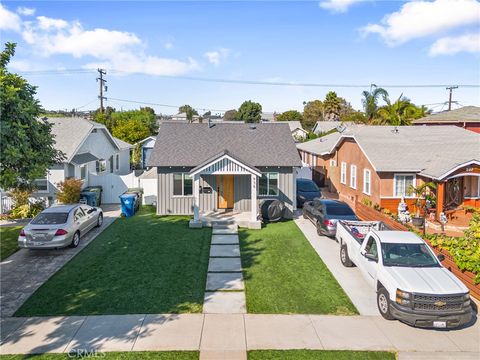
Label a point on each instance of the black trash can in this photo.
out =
(98, 191)
(272, 210)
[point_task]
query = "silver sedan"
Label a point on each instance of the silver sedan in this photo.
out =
(60, 226)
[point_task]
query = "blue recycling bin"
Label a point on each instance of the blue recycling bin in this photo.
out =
(89, 198)
(128, 204)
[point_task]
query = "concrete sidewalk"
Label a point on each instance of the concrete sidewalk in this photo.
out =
(229, 336)
(25, 271)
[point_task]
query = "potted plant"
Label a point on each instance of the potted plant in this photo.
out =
(422, 193)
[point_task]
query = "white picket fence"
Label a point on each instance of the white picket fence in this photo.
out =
(115, 185)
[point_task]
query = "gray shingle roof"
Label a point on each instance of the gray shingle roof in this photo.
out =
(429, 150)
(122, 144)
(84, 158)
(325, 126)
(180, 144)
(70, 133)
(463, 114)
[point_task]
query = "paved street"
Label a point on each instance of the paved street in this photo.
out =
(26, 270)
(230, 335)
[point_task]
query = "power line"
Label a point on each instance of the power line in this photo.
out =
(251, 82)
(163, 105)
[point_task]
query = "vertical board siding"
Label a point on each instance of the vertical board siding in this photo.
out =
(168, 204)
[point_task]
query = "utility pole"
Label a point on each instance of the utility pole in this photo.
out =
(451, 88)
(102, 86)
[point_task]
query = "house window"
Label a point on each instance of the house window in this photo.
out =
(268, 184)
(333, 163)
(100, 166)
(41, 185)
(366, 181)
(111, 164)
(83, 172)
(117, 162)
(353, 176)
(182, 184)
(403, 184)
(343, 173)
(472, 187)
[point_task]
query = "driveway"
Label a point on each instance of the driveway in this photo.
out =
(25, 271)
(350, 279)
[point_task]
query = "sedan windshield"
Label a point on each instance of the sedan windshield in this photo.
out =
(307, 186)
(408, 255)
(50, 218)
(339, 210)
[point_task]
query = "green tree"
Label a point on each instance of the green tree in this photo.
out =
(134, 117)
(332, 106)
(26, 142)
(230, 115)
(370, 101)
(401, 112)
(290, 115)
(104, 117)
(131, 130)
(189, 111)
(312, 112)
(249, 112)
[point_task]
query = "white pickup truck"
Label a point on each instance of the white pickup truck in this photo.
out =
(411, 283)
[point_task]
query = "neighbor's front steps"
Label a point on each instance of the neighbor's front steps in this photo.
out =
(229, 336)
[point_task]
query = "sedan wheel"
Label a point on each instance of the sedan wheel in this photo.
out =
(75, 240)
(100, 220)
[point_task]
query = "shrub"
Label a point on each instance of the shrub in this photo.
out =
(466, 249)
(367, 202)
(28, 210)
(20, 197)
(69, 191)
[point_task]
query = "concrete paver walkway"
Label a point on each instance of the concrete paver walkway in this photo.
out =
(225, 287)
(25, 271)
(229, 336)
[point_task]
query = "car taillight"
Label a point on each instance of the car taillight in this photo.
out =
(328, 222)
(22, 232)
(61, 232)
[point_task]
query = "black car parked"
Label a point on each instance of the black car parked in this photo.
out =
(307, 190)
(325, 213)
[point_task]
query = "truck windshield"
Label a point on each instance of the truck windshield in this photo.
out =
(408, 255)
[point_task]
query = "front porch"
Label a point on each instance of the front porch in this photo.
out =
(228, 195)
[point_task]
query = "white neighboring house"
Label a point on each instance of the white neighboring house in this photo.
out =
(322, 127)
(146, 146)
(89, 148)
(183, 117)
(298, 132)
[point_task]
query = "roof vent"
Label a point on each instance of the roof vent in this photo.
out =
(395, 130)
(252, 126)
(341, 128)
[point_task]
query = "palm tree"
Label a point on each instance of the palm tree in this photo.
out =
(401, 112)
(370, 101)
(331, 106)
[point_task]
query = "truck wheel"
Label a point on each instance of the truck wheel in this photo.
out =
(344, 258)
(383, 304)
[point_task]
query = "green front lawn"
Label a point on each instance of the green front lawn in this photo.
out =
(283, 274)
(9, 240)
(145, 264)
(147, 355)
(319, 355)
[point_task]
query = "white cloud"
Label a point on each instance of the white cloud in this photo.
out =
(168, 45)
(20, 65)
(418, 19)
(338, 6)
(114, 50)
(25, 11)
(215, 57)
(454, 44)
(9, 20)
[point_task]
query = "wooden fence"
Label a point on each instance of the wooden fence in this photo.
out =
(367, 213)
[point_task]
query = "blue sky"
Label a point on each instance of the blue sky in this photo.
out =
(144, 45)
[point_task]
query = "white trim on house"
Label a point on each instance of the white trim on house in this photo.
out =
(414, 184)
(343, 173)
(353, 176)
(472, 162)
(369, 192)
(226, 165)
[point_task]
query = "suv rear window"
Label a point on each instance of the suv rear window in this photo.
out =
(50, 219)
(307, 186)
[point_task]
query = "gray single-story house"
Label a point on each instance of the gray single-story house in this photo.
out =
(204, 169)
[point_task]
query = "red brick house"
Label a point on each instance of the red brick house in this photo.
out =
(381, 162)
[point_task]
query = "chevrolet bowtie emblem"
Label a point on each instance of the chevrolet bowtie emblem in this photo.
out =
(440, 303)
